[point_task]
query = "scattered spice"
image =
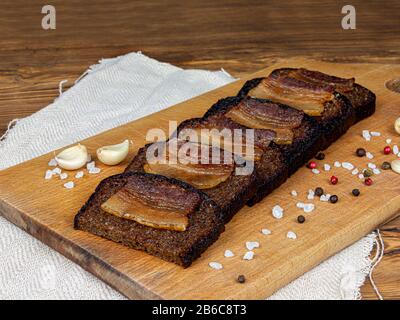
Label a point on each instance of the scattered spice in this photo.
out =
(385, 165)
(318, 191)
(387, 150)
(333, 198)
(355, 192)
(368, 172)
(361, 152)
(241, 279)
(368, 181)
(320, 156)
(301, 219)
(334, 180)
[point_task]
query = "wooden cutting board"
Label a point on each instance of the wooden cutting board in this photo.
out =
(45, 209)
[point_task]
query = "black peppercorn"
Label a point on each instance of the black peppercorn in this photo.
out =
(355, 192)
(320, 156)
(318, 191)
(333, 198)
(361, 152)
(301, 219)
(386, 165)
(241, 279)
(368, 172)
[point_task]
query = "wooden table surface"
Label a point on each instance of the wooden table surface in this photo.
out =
(239, 36)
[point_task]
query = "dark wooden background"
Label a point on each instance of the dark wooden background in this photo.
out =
(240, 36)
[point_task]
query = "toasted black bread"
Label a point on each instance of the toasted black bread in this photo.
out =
(180, 247)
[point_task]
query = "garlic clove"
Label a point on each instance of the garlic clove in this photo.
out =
(72, 158)
(114, 154)
(395, 165)
(397, 125)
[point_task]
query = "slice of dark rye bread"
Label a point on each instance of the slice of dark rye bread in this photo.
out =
(180, 247)
(279, 160)
(230, 195)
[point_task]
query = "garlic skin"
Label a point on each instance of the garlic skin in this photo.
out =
(397, 125)
(114, 154)
(72, 158)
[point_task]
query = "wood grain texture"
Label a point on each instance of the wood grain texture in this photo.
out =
(279, 260)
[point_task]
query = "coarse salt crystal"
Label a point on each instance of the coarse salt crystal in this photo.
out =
(53, 163)
(250, 245)
(308, 207)
(369, 155)
(266, 231)
(376, 171)
(361, 176)
(293, 193)
(215, 265)
(354, 172)
(291, 235)
(323, 198)
(300, 205)
(79, 174)
(69, 185)
(310, 195)
(337, 164)
(388, 141)
(375, 134)
(371, 165)
(56, 171)
(228, 254)
(249, 255)
(366, 135)
(395, 149)
(94, 170)
(63, 176)
(277, 212)
(315, 171)
(48, 175)
(91, 165)
(347, 165)
(327, 167)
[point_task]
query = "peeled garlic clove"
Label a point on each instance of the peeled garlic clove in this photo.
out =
(113, 155)
(72, 158)
(397, 125)
(395, 165)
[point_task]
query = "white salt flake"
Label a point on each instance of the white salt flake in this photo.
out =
(249, 255)
(369, 155)
(375, 134)
(48, 175)
(371, 165)
(308, 207)
(94, 170)
(215, 265)
(293, 193)
(53, 163)
(324, 198)
(310, 195)
(376, 171)
(300, 205)
(337, 164)
(63, 176)
(228, 254)
(315, 171)
(291, 235)
(354, 172)
(79, 174)
(91, 165)
(388, 141)
(56, 171)
(360, 176)
(69, 185)
(347, 165)
(327, 167)
(277, 212)
(395, 149)
(250, 245)
(366, 135)
(266, 231)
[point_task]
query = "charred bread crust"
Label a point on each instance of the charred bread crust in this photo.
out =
(229, 195)
(182, 248)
